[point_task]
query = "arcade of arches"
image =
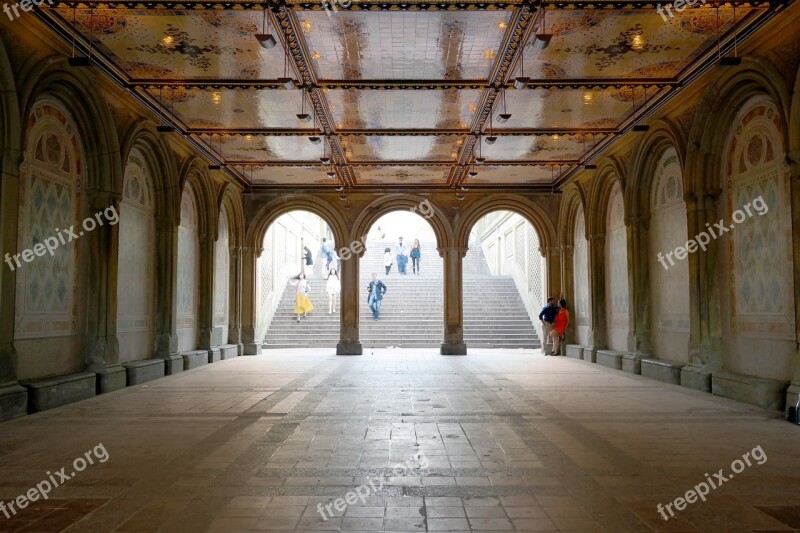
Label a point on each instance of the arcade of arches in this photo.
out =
(171, 282)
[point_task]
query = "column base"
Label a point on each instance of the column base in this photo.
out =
(13, 401)
(453, 348)
(252, 348)
(173, 364)
(110, 378)
(696, 378)
(349, 348)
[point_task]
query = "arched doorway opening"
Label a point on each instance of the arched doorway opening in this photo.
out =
(411, 313)
(504, 283)
(288, 243)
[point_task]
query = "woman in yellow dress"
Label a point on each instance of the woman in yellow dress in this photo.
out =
(302, 304)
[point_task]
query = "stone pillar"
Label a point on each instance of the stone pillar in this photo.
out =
(349, 341)
(102, 346)
(167, 293)
(13, 397)
(205, 312)
(639, 336)
(235, 296)
(553, 285)
(252, 346)
(453, 301)
(597, 291)
(793, 393)
(566, 253)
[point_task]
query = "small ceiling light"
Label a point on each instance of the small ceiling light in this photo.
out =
(502, 25)
(542, 40)
(216, 98)
(314, 139)
(266, 40)
(504, 116)
(302, 115)
(315, 55)
(488, 54)
(641, 127)
(491, 139)
(521, 81)
(214, 167)
(555, 137)
(637, 42)
(306, 25)
(164, 128)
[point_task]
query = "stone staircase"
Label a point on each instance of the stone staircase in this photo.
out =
(412, 310)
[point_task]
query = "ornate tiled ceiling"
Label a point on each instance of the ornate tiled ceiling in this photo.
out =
(402, 94)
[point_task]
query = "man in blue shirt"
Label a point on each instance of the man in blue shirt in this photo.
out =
(402, 257)
(375, 292)
(548, 317)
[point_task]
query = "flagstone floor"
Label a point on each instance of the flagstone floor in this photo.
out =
(402, 440)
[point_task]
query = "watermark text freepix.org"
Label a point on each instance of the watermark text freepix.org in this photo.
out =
(43, 488)
(679, 6)
(702, 489)
(702, 239)
(62, 237)
(26, 5)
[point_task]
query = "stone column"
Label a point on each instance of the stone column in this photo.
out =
(705, 336)
(553, 285)
(349, 341)
(793, 393)
(102, 345)
(252, 346)
(453, 301)
(13, 397)
(638, 287)
(566, 253)
(597, 293)
(205, 312)
(167, 293)
(235, 296)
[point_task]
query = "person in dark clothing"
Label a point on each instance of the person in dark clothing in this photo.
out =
(548, 317)
(375, 291)
(309, 256)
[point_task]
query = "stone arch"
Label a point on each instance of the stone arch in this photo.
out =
(530, 211)
(573, 198)
(378, 208)
(267, 214)
(10, 117)
(154, 148)
(75, 90)
(609, 172)
(717, 113)
(231, 198)
(194, 173)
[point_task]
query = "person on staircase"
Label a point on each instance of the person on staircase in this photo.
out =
(402, 257)
(375, 291)
(415, 255)
(309, 259)
(560, 327)
(327, 252)
(333, 288)
(387, 260)
(548, 317)
(302, 303)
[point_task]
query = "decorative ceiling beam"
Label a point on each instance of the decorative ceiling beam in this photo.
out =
(409, 85)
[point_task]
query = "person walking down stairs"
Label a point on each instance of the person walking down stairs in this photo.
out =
(302, 303)
(402, 257)
(333, 288)
(415, 255)
(375, 291)
(387, 260)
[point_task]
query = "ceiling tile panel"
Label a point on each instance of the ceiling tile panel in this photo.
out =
(291, 175)
(403, 109)
(395, 45)
(402, 175)
(595, 43)
(510, 175)
(269, 148)
(539, 147)
(234, 108)
(438, 148)
(193, 44)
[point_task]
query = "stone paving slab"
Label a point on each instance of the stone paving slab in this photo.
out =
(402, 440)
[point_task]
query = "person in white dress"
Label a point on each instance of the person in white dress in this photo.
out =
(333, 287)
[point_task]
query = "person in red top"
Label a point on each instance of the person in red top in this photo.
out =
(560, 325)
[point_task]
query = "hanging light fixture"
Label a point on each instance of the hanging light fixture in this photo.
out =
(325, 159)
(266, 40)
(491, 139)
(165, 128)
(287, 82)
(82, 61)
(640, 128)
(314, 138)
(542, 40)
(521, 81)
(504, 116)
(735, 60)
(302, 115)
(480, 159)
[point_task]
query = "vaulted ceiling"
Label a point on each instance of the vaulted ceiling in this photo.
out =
(402, 93)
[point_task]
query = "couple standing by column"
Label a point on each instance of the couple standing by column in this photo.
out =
(555, 319)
